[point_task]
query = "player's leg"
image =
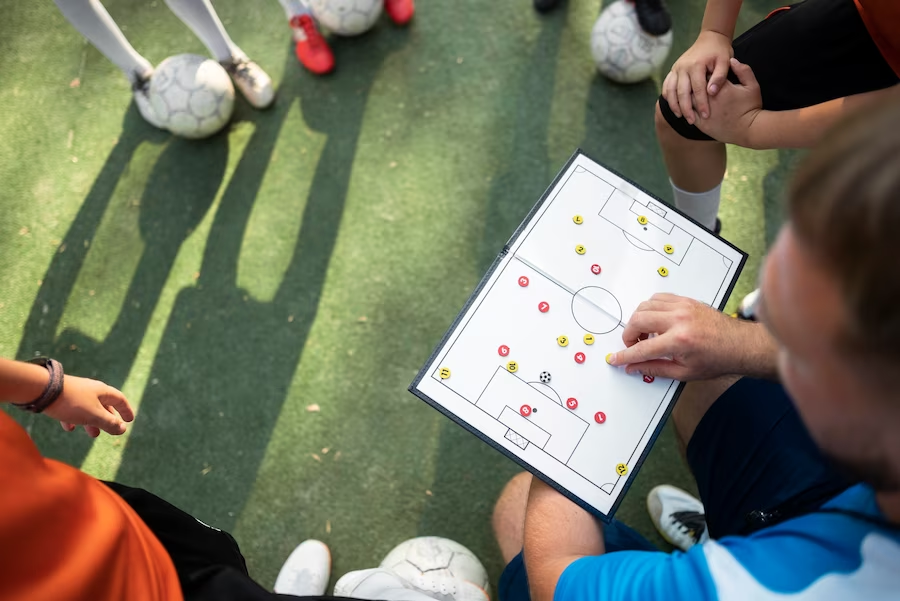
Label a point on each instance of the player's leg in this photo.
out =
(92, 21)
(808, 54)
(251, 80)
(696, 169)
(509, 529)
(310, 47)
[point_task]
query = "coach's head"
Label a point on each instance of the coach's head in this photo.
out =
(831, 296)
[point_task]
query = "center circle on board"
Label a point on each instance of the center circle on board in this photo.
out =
(596, 310)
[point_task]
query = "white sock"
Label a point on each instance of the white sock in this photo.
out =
(293, 8)
(93, 22)
(201, 17)
(702, 206)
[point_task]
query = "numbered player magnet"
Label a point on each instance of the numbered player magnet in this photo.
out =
(579, 357)
(562, 341)
(512, 367)
(580, 249)
(589, 339)
(578, 219)
(444, 373)
(525, 410)
(662, 271)
(642, 220)
(572, 403)
(523, 281)
(649, 379)
(543, 306)
(595, 269)
(599, 417)
(621, 469)
(503, 351)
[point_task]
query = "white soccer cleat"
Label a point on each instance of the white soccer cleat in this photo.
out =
(254, 83)
(380, 583)
(141, 89)
(678, 516)
(306, 571)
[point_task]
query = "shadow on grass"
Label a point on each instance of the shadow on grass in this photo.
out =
(227, 360)
(171, 206)
(462, 462)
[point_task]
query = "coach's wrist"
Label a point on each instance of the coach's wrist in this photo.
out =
(759, 358)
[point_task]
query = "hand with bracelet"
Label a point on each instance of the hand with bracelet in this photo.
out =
(42, 388)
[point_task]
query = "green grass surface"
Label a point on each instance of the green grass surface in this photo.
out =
(313, 253)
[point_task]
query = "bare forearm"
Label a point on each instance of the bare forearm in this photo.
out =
(803, 128)
(21, 382)
(557, 532)
(721, 16)
(758, 352)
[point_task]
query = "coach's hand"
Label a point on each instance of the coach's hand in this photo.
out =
(92, 404)
(692, 341)
(698, 74)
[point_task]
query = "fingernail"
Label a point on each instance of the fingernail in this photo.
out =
(610, 358)
(704, 115)
(713, 88)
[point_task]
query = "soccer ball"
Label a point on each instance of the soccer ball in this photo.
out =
(347, 17)
(545, 377)
(192, 95)
(622, 50)
(436, 559)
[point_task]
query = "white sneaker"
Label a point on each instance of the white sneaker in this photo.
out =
(141, 89)
(678, 516)
(306, 571)
(254, 83)
(747, 308)
(379, 583)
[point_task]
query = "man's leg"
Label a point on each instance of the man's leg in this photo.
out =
(692, 405)
(750, 454)
(509, 529)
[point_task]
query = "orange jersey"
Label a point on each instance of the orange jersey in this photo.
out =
(64, 535)
(882, 19)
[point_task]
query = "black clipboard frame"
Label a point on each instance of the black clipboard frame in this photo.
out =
(423, 372)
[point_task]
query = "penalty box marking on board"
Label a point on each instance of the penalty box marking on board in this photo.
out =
(623, 211)
(563, 428)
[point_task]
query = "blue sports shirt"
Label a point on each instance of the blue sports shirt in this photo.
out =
(844, 551)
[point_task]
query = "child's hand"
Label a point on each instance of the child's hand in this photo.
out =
(91, 404)
(734, 108)
(686, 87)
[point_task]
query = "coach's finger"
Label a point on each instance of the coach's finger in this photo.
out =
(645, 350)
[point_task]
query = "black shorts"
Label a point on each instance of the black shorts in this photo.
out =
(804, 55)
(755, 466)
(208, 561)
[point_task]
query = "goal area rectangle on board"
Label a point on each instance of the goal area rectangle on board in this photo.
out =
(523, 364)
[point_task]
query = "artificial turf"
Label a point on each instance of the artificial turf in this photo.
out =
(265, 296)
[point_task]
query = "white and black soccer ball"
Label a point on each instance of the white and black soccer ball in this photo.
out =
(545, 377)
(192, 95)
(622, 50)
(347, 17)
(430, 561)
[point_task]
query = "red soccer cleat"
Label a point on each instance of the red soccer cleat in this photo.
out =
(400, 11)
(312, 49)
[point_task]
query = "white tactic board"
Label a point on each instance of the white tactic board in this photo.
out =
(523, 366)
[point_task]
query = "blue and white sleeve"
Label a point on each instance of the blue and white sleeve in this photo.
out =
(637, 575)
